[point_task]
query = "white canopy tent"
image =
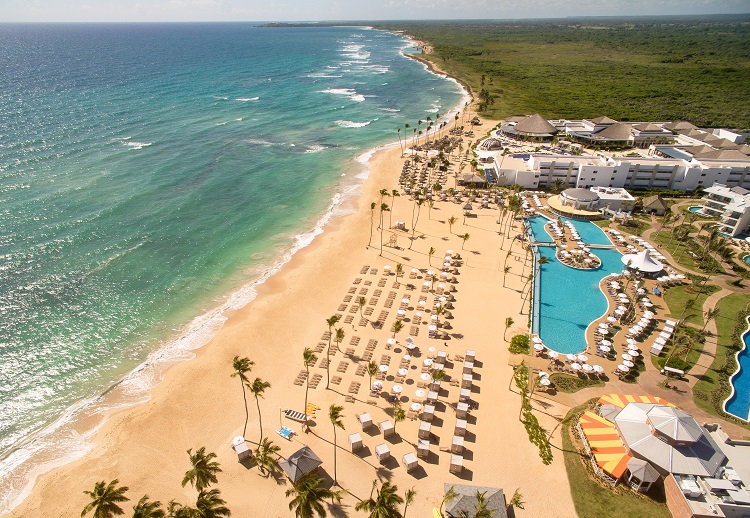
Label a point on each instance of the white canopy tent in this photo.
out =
(643, 261)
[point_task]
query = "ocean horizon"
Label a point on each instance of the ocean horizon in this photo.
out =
(153, 175)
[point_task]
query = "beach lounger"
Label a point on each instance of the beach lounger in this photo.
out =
(297, 416)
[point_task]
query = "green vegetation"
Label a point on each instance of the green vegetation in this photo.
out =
(519, 344)
(568, 383)
(683, 351)
(687, 252)
(677, 297)
(593, 497)
(713, 388)
(664, 68)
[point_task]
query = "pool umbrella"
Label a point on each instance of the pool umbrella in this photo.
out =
(582, 358)
(605, 348)
(377, 385)
(425, 376)
(416, 407)
(587, 368)
(627, 357)
(611, 320)
(545, 382)
(420, 393)
(631, 341)
(575, 366)
(383, 368)
(427, 362)
(627, 363)
(553, 354)
(542, 374)
(571, 357)
(598, 368)
(633, 352)
(623, 368)
(538, 347)
(536, 340)
(606, 342)
(397, 389)
(603, 331)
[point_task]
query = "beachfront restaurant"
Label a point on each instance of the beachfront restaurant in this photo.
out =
(534, 128)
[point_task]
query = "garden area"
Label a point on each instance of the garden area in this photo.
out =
(593, 497)
(686, 299)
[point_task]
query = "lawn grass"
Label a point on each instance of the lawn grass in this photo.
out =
(677, 296)
(657, 69)
(679, 251)
(713, 388)
(677, 362)
(592, 497)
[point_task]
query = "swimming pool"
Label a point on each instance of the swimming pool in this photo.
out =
(738, 404)
(695, 208)
(570, 299)
(746, 259)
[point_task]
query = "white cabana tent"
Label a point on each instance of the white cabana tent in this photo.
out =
(643, 261)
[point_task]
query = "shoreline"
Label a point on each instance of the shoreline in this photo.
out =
(86, 419)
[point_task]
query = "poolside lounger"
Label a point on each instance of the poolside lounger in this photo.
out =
(286, 433)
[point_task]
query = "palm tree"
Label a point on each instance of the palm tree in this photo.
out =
(204, 470)
(177, 510)
(508, 323)
(264, 455)
(339, 337)
(465, 238)
(308, 356)
(451, 222)
(147, 509)
(399, 414)
(409, 498)
(331, 321)
(257, 388)
(383, 208)
(399, 272)
(241, 367)
(309, 495)
(104, 499)
(711, 314)
(335, 415)
(361, 301)
(383, 192)
(394, 194)
(372, 220)
(372, 370)
(398, 325)
(506, 270)
(448, 497)
(211, 505)
(384, 505)
(430, 253)
(430, 204)
(482, 510)
(398, 130)
(517, 499)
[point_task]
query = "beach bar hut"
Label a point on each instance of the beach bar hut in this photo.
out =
(424, 430)
(365, 420)
(300, 463)
(460, 428)
(457, 464)
(355, 441)
(410, 461)
(423, 448)
(457, 445)
(382, 452)
(386, 428)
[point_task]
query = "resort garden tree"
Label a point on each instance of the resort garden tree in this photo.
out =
(508, 323)
(210, 505)
(399, 272)
(437, 375)
(430, 204)
(398, 325)
(482, 510)
(339, 338)
(398, 130)
(464, 238)
(399, 414)
(710, 314)
(241, 367)
(430, 253)
(448, 497)
(330, 321)
(372, 220)
(517, 499)
(409, 498)
(258, 387)
(104, 499)
(336, 416)
(264, 455)
(372, 370)
(309, 358)
(361, 301)
(203, 471)
(383, 208)
(394, 194)
(383, 192)
(385, 504)
(146, 508)
(451, 222)
(506, 270)
(309, 495)
(536, 433)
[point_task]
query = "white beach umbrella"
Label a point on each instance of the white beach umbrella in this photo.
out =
(411, 346)
(606, 342)
(611, 320)
(538, 347)
(628, 363)
(414, 270)
(383, 368)
(377, 384)
(623, 368)
(405, 300)
(416, 407)
(432, 328)
(425, 376)
(407, 357)
(403, 372)
(391, 341)
(582, 358)
(571, 357)
(536, 339)
(542, 374)
(575, 366)
(633, 352)
(545, 382)
(420, 393)
(553, 354)
(626, 356)
(587, 368)
(401, 312)
(397, 389)
(427, 362)
(605, 348)
(598, 368)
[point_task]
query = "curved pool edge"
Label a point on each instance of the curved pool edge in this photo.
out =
(739, 368)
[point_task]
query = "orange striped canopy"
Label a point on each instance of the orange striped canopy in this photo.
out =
(620, 400)
(609, 452)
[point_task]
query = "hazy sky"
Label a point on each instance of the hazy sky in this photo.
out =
(253, 10)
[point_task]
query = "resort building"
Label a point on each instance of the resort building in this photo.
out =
(580, 199)
(639, 439)
(731, 205)
(615, 199)
(534, 127)
(654, 205)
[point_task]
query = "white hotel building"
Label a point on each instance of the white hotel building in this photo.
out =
(731, 206)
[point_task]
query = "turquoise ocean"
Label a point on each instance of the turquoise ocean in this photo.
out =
(150, 176)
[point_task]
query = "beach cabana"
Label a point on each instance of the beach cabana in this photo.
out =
(365, 420)
(410, 461)
(355, 441)
(386, 428)
(239, 445)
(300, 463)
(382, 452)
(643, 262)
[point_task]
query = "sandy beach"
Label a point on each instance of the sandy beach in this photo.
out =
(199, 404)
